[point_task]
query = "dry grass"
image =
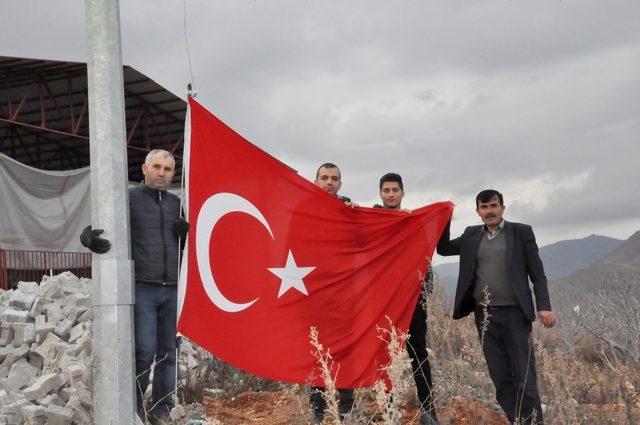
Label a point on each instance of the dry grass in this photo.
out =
(579, 382)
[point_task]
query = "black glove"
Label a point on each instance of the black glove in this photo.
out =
(182, 228)
(92, 240)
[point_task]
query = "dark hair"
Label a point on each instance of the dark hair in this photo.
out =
(391, 177)
(328, 165)
(487, 194)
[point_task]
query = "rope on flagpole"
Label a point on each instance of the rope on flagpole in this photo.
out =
(190, 92)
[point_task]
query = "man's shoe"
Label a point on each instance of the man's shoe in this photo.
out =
(427, 418)
(317, 416)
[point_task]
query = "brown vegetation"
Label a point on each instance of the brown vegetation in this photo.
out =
(581, 381)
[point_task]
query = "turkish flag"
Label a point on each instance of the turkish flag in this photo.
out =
(270, 255)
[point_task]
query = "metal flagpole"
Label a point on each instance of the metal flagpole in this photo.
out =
(182, 267)
(114, 380)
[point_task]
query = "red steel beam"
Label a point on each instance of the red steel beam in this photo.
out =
(24, 99)
(50, 130)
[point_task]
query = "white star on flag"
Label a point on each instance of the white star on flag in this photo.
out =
(291, 275)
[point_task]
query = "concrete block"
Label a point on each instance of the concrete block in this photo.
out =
(54, 312)
(76, 304)
(65, 393)
(23, 333)
(4, 351)
(36, 361)
(68, 358)
(77, 374)
(15, 409)
(49, 289)
(63, 329)
(87, 316)
(80, 414)
(82, 393)
(44, 385)
(38, 306)
(84, 355)
(52, 363)
(69, 283)
(20, 376)
(77, 331)
(14, 355)
(62, 379)
(6, 334)
(21, 300)
(28, 287)
(11, 315)
(52, 400)
(47, 347)
(34, 415)
(57, 415)
(43, 328)
(83, 343)
(4, 397)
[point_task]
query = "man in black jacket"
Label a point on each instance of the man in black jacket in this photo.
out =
(156, 227)
(391, 194)
(497, 260)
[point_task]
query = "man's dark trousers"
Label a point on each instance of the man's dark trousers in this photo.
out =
(417, 349)
(509, 354)
(155, 333)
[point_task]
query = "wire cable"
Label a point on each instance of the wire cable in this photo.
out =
(186, 42)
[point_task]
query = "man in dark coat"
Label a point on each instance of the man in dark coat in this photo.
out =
(156, 228)
(497, 260)
(391, 195)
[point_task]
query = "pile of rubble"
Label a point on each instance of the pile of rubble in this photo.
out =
(45, 352)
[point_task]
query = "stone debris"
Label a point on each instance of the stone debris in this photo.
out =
(21, 300)
(28, 287)
(63, 329)
(38, 306)
(6, 334)
(45, 352)
(23, 333)
(14, 316)
(42, 386)
(34, 414)
(21, 375)
(57, 415)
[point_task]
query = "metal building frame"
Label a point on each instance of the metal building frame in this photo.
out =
(44, 112)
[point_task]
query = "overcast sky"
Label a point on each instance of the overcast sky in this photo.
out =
(537, 99)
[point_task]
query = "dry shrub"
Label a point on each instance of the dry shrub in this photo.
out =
(580, 381)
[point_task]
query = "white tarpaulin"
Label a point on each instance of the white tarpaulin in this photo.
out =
(43, 210)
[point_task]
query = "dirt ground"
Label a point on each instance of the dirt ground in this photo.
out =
(288, 407)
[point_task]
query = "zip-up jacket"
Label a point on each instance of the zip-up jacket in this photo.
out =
(154, 243)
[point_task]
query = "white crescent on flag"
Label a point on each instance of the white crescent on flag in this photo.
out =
(213, 209)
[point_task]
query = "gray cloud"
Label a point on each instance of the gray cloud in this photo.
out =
(536, 99)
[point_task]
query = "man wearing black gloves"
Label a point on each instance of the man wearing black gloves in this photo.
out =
(156, 232)
(391, 194)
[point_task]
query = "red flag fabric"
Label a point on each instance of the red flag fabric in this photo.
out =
(270, 255)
